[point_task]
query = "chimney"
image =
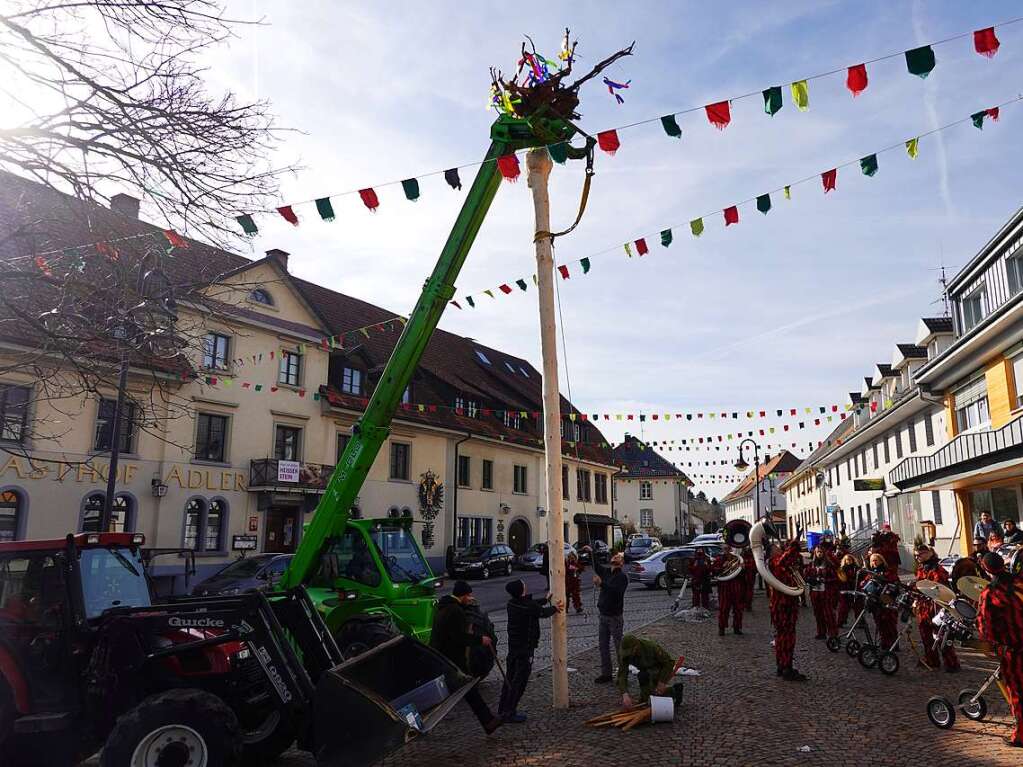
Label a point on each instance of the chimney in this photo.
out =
(125, 205)
(280, 256)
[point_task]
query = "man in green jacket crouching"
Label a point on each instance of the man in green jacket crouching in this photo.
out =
(656, 668)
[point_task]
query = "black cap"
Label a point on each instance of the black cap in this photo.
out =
(461, 588)
(515, 588)
(993, 562)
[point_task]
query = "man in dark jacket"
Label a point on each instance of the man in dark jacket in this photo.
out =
(451, 638)
(524, 614)
(612, 583)
(1012, 532)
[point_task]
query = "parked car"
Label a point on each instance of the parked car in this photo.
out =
(650, 570)
(593, 550)
(667, 563)
(533, 559)
(705, 538)
(640, 548)
(484, 561)
(256, 572)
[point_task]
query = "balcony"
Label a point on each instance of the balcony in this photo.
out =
(968, 455)
(288, 476)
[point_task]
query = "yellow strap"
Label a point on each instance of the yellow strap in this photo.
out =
(582, 209)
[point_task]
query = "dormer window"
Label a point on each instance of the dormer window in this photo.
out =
(351, 381)
(261, 296)
(508, 365)
(1014, 269)
(524, 373)
(973, 309)
(512, 419)
(482, 357)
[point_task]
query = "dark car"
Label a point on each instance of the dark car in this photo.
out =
(598, 550)
(483, 561)
(641, 547)
(252, 573)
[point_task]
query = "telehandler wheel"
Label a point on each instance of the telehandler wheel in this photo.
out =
(264, 743)
(364, 632)
(177, 728)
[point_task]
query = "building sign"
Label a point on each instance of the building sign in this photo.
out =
(95, 473)
(288, 471)
(868, 484)
(244, 542)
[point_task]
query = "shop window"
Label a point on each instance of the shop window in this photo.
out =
(122, 514)
(12, 515)
(105, 426)
(205, 524)
(475, 531)
(195, 510)
(13, 412)
(216, 516)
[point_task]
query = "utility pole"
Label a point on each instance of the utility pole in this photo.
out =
(539, 164)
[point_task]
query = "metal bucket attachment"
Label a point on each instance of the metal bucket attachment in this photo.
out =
(377, 701)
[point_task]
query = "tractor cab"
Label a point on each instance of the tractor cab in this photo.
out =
(375, 573)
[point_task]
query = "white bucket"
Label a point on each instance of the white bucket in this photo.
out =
(662, 709)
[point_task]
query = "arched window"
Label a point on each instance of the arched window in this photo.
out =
(195, 510)
(261, 296)
(12, 515)
(92, 510)
(216, 519)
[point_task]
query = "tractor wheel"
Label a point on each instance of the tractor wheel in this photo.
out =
(364, 632)
(177, 728)
(263, 744)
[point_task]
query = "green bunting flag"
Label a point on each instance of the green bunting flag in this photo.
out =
(670, 126)
(868, 165)
(411, 187)
(801, 95)
(559, 152)
(585, 263)
(913, 147)
(666, 237)
(788, 192)
(258, 387)
(920, 61)
(696, 225)
(468, 300)
(764, 203)
(628, 250)
(489, 293)
(772, 100)
(247, 224)
(325, 209)
(521, 284)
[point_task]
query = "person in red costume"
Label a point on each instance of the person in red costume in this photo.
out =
(573, 581)
(749, 574)
(1000, 621)
(886, 543)
(822, 576)
(886, 620)
(929, 568)
(731, 594)
(784, 608)
(847, 570)
(699, 579)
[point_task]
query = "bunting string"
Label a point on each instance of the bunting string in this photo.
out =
(920, 61)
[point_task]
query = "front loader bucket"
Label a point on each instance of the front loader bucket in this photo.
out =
(376, 702)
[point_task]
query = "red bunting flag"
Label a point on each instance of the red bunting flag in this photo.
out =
(506, 289)
(288, 215)
(175, 239)
(992, 113)
(985, 42)
(43, 266)
(856, 80)
(509, 166)
(829, 178)
(608, 141)
(369, 199)
(641, 247)
(719, 114)
(564, 272)
(731, 215)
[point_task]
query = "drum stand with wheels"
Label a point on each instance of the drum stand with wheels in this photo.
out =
(681, 592)
(942, 712)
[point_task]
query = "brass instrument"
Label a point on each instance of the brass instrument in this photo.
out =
(756, 539)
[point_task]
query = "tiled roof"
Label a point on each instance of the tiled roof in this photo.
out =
(782, 462)
(938, 324)
(640, 461)
(912, 351)
(839, 432)
(41, 219)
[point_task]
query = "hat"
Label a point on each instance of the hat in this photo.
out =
(515, 588)
(461, 588)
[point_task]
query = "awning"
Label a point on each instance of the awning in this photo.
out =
(594, 520)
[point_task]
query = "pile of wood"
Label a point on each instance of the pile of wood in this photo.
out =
(626, 718)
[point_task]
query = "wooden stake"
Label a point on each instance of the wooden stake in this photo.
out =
(539, 164)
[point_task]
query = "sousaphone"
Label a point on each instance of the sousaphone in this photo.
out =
(736, 536)
(757, 535)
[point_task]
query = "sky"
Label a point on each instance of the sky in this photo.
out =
(786, 310)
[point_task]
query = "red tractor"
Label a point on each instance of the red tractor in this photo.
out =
(89, 661)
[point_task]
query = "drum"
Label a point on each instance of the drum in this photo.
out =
(964, 610)
(1015, 562)
(873, 588)
(889, 594)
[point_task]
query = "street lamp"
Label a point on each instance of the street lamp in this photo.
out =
(741, 465)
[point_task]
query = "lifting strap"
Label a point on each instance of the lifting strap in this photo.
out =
(590, 142)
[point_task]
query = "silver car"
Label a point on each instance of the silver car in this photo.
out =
(651, 571)
(533, 559)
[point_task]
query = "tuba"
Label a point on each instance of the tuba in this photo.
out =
(736, 536)
(756, 540)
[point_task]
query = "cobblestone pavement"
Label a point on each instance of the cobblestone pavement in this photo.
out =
(737, 713)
